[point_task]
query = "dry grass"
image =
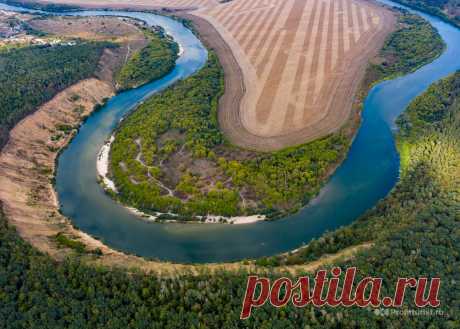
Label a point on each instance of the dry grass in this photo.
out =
(27, 163)
(93, 28)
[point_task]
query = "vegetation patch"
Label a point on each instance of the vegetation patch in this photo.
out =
(414, 44)
(449, 10)
(150, 63)
(170, 156)
(64, 241)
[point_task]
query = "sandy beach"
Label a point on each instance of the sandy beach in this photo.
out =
(102, 165)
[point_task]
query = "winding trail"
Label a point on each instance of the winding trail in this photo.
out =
(139, 159)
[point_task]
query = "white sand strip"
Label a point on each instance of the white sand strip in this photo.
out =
(102, 165)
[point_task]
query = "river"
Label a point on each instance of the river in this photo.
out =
(367, 175)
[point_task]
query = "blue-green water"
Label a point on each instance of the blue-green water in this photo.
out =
(367, 175)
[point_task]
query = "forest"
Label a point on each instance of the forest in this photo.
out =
(151, 62)
(448, 10)
(169, 155)
(414, 43)
(416, 232)
(174, 137)
(33, 75)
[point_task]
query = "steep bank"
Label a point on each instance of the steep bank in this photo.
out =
(27, 163)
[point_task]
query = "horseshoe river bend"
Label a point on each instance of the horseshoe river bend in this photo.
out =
(369, 172)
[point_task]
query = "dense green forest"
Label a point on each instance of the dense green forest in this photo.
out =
(169, 155)
(151, 62)
(414, 44)
(33, 75)
(37, 292)
(449, 10)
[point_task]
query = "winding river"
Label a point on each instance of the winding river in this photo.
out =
(367, 175)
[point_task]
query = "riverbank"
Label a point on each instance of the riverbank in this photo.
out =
(27, 164)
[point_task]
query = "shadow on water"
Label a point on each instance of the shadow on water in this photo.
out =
(367, 175)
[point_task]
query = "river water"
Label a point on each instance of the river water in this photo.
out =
(367, 175)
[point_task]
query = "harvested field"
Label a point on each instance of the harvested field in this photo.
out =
(94, 28)
(301, 63)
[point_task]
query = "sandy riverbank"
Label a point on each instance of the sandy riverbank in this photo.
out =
(102, 165)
